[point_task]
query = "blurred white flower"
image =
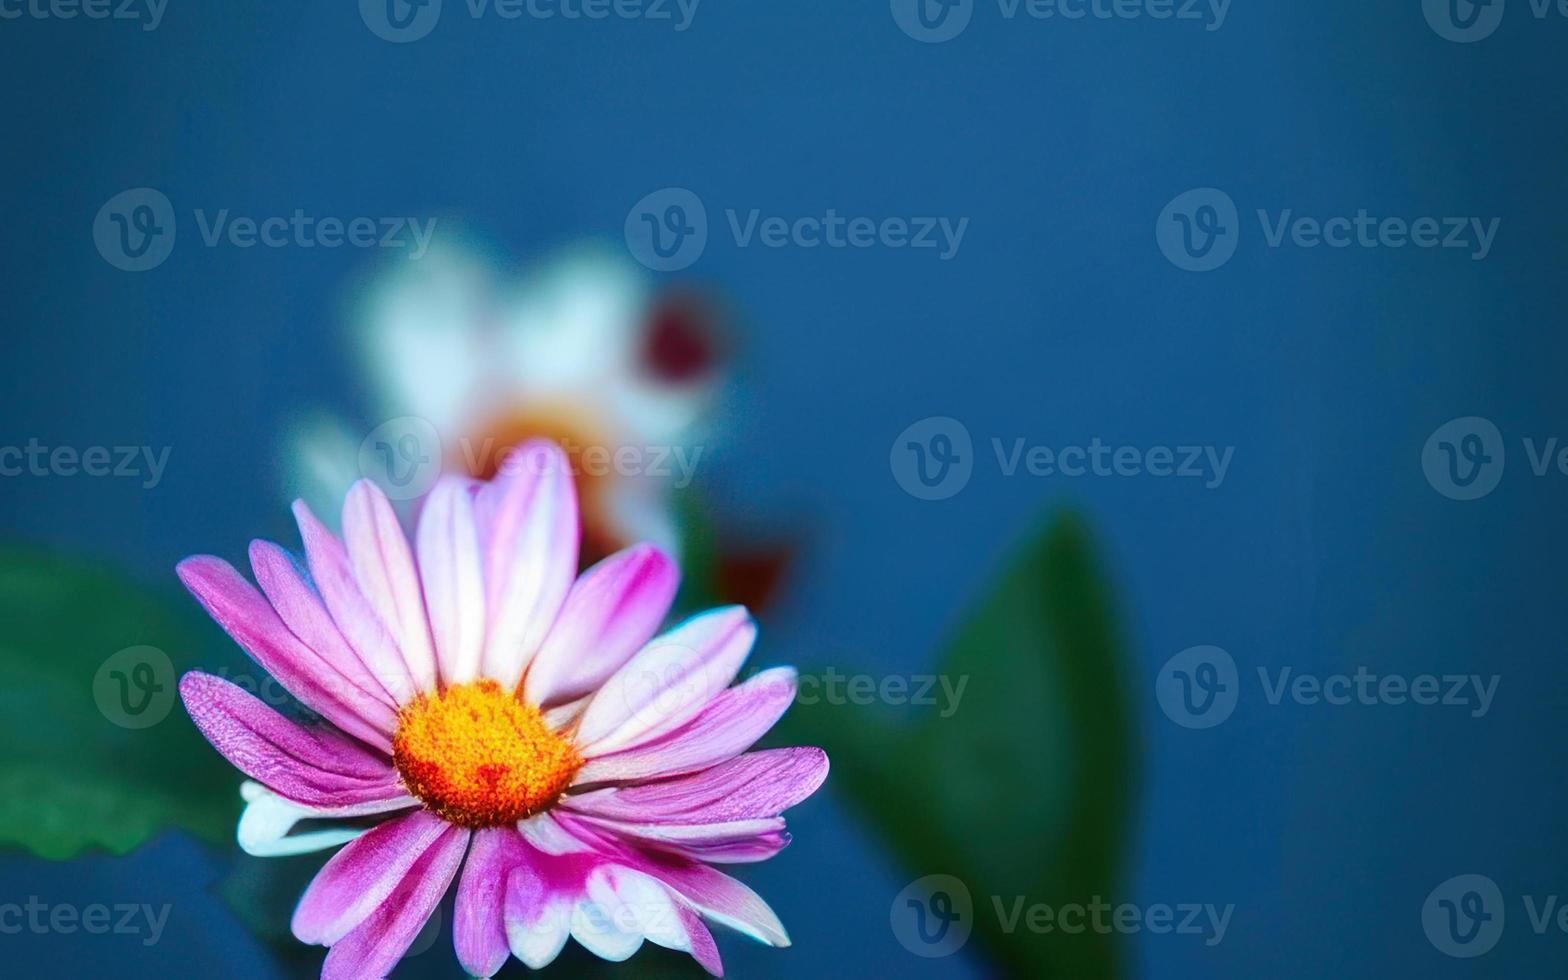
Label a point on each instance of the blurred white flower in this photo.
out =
(462, 365)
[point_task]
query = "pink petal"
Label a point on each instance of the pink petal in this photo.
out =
(673, 836)
(450, 568)
(703, 949)
(668, 682)
(479, 925)
(739, 850)
(721, 898)
(374, 947)
(247, 617)
(540, 895)
(528, 525)
(312, 768)
(726, 727)
(614, 608)
(385, 572)
(598, 897)
(757, 784)
(301, 610)
(361, 876)
(713, 893)
(362, 626)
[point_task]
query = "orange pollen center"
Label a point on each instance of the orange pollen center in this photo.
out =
(479, 756)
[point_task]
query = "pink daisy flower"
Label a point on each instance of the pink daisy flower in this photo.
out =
(491, 721)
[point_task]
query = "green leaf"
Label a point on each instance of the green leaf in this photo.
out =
(699, 559)
(1026, 790)
(99, 752)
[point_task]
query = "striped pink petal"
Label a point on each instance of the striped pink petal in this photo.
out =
(374, 946)
(602, 901)
(312, 768)
(388, 578)
(362, 626)
(725, 728)
(301, 610)
(361, 876)
(451, 569)
(528, 522)
(757, 784)
(688, 838)
(612, 610)
(715, 894)
(479, 923)
(668, 682)
(247, 617)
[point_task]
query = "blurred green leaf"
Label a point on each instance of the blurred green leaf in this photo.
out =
(699, 558)
(1026, 790)
(99, 752)
(262, 894)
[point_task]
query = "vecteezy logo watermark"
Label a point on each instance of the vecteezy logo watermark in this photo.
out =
(1463, 917)
(1463, 459)
(1199, 230)
(135, 687)
(934, 21)
(1198, 687)
(1464, 21)
(932, 916)
(668, 230)
(401, 21)
(402, 456)
(121, 919)
(135, 230)
(933, 458)
(148, 13)
(136, 462)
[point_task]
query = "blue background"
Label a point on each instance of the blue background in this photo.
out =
(1058, 321)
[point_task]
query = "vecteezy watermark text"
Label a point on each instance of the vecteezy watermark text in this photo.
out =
(144, 463)
(404, 457)
(668, 230)
(921, 690)
(148, 13)
(120, 919)
(934, 458)
(677, 463)
(402, 21)
(934, 915)
(136, 230)
(935, 21)
(1200, 230)
(1201, 686)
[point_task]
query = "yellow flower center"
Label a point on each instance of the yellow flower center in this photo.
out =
(479, 756)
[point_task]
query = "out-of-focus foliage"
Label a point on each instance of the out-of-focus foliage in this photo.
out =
(1027, 788)
(98, 752)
